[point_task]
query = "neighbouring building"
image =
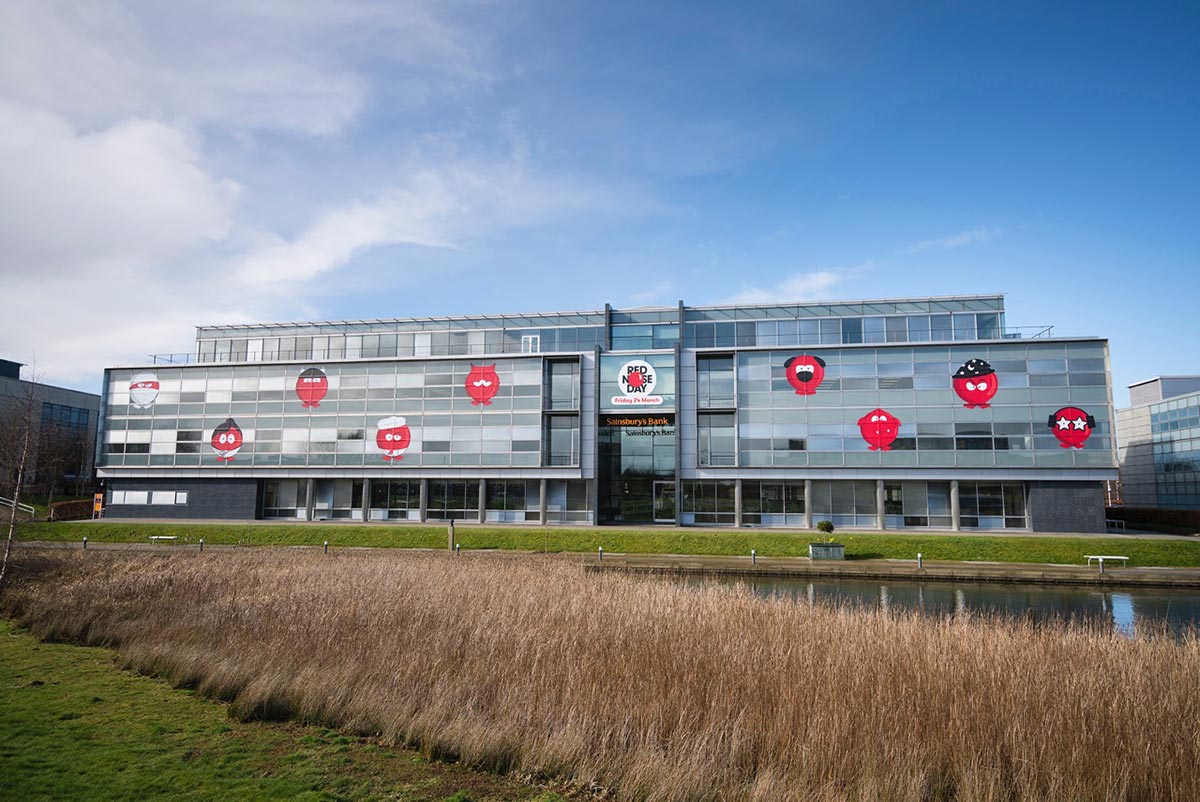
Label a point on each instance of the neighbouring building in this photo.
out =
(1159, 444)
(921, 413)
(63, 424)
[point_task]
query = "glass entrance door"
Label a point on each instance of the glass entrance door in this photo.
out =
(664, 502)
(634, 460)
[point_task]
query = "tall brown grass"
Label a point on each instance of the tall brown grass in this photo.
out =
(653, 690)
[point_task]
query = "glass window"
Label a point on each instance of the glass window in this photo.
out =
(716, 439)
(852, 330)
(940, 328)
(562, 440)
(918, 328)
(988, 325)
(714, 381)
(873, 330)
(964, 326)
(562, 385)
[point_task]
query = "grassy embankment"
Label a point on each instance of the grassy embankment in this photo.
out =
(74, 726)
(651, 689)
(1071, 551)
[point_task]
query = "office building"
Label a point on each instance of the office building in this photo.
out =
(923, 413)
(1158, 440)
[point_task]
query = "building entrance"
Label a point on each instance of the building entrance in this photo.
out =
(636, 478)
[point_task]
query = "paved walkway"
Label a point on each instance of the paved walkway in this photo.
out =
(1132, 534)
(776, 567)
(907, 570)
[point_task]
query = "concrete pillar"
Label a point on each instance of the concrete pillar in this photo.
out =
(737, 502)
(422, 515)
(808, 503)
(309, 500)
(542, 502)
(482, 500)
(955, 515)
(366, 500)
(880, 521)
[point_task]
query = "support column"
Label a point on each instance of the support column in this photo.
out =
(542, 502)
(808, 503)
(366, 500)
(737, 503)
(955, 515)
(482, 500)
(309, 501)
(424, 508)
(880, 521)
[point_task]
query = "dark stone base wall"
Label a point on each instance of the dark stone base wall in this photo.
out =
(1066, 506)
(228, 499)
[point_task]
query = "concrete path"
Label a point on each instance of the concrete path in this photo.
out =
(774, 567)
(931, 571)
(465, 525)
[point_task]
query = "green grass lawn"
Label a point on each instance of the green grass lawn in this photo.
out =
(75, 726)
(1184, 553)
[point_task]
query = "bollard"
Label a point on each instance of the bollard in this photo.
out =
(920, 560)
(326, 546)
(85, 541)
(601, 554)
(457, 550)
(201, 544)
(450, 535)
(1101, 567)
(753, 557)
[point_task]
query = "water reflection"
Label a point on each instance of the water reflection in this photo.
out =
(1128, 611)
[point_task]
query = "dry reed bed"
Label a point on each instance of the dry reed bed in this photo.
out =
(653, 690)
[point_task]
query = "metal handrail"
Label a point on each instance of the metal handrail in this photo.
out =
(25, 508)
(336, 354)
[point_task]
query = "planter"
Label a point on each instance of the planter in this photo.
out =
(826, 551)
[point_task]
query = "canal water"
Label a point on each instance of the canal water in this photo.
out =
(1129, 611)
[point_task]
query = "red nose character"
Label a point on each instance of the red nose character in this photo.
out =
(805, 373)
(975, 382)
(1072, 426)
(393, 437)
(879, 428)
(227, 440)
(311, 387)
(482, 384)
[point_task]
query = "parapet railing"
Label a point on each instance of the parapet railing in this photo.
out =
(333, 354)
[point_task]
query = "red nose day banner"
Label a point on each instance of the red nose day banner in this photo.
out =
(311, 387)
(393, 437)
(227, 440)
(482, 384)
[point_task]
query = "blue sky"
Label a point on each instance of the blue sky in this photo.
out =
(167, 166)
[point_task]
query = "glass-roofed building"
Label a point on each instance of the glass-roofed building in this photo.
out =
(922, 413)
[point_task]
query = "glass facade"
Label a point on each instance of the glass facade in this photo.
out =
(862, 413)
(1175, 435)
(282, 424)
(779, 427)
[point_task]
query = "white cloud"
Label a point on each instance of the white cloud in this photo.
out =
(129, 138)
(959, 240)
(123, 197)
(811, 286)
(446, 208)
(256, 65)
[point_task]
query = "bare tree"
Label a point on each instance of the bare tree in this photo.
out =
(17, 433)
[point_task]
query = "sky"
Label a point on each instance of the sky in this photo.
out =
(168, 165)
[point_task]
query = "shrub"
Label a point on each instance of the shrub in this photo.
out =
(71, 510)
(825, 527)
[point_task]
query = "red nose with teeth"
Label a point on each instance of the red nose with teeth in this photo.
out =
(805, 373)
(879, 428)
